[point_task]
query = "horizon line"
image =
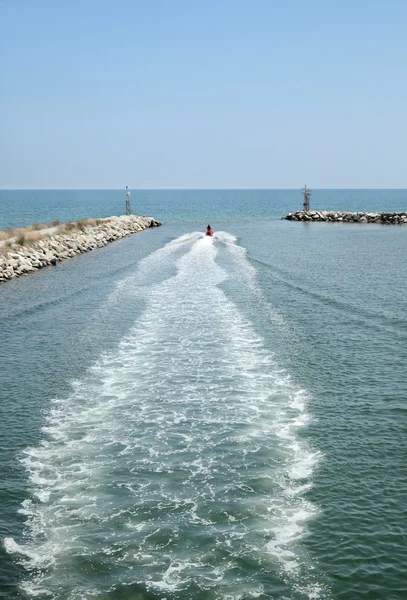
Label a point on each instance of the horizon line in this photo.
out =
(177, 189)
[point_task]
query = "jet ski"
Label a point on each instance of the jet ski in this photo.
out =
(209, 231)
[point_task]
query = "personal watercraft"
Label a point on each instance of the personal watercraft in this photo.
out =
(209, 231)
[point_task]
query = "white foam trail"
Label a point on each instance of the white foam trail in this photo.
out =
(249, 275)
(149, 265)
(180, 443)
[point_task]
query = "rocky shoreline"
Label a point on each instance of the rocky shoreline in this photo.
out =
(387, 218)
(18, 260)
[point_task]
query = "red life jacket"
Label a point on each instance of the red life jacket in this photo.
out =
(209, 232)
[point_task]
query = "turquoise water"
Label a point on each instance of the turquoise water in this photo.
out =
(193, 418)
(21, 208)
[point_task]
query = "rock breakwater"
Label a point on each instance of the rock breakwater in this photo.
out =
(387, 218)
(19, 259)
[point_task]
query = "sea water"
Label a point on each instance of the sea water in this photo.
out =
(186, 417)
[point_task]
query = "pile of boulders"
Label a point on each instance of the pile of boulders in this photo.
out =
(348, 217)
(19, 260)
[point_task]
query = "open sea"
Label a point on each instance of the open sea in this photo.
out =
(191, 418)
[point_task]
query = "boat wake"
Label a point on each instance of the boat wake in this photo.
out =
(175, 468)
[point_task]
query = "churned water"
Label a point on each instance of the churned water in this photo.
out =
(208, 418)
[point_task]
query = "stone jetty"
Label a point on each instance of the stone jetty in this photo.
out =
(387, 218)
(19, 259)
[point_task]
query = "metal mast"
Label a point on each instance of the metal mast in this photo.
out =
(306, 192)
(128, 209)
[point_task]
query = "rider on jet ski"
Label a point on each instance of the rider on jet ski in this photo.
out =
(209, 231)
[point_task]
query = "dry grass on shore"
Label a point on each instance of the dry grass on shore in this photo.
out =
(6, 234)
(24, 237)
(22, 240)
(34, 232)
(81, 225)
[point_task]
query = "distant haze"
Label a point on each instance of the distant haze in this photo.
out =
(216, 94)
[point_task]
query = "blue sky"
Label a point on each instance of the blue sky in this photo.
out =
(203, 94)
